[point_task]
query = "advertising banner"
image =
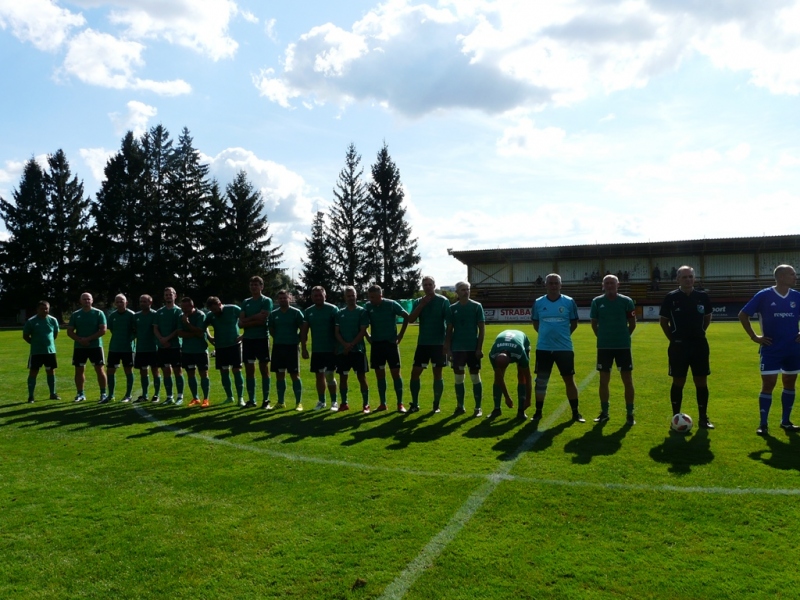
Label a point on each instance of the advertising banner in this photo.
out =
(512, 315)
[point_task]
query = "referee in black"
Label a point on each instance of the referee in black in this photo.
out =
(685, 316)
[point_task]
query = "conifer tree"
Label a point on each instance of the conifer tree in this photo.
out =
(317, 270)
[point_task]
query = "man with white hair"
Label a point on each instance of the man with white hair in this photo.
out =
(466, 327)
(122, 325)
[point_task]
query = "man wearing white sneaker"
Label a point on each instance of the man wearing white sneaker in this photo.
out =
(86, 327)
(122, 325)
(320, 319)
(166, 327)
(511, 347)
(351, 329)
(284, 327)
(385, 341)
(224, 319)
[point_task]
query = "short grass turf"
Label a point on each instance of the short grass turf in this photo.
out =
(172, 502)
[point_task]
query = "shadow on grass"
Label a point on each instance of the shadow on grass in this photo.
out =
(594, 443)
(780, 454)
(53, 414)
(682, 452)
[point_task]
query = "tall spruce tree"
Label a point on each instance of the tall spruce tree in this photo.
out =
(317, 270)
(158, 153)
(348, 223)
(28, 220)
(391, 251)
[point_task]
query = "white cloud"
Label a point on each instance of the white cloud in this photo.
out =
(269, 29)
(40, 22)
(136, 119)
(96, 159)
(104, 60)
(524, 139)
(248, 16)
(739, 152)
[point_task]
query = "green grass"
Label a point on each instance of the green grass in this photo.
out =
(171, 502)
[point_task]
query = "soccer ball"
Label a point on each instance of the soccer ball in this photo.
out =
(682, 423)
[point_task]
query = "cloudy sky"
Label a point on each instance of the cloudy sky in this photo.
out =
(513, 122)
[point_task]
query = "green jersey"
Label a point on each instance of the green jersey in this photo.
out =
(382, 320)
(285, 326)
(515, 344)
(226, 325)
(612, 321)
(195, 345)
(122, 326)
(350, 321)
(85, 323)
(168, 320)
(43, 334)
(146, 340)
(465, 318)
(253, 306)
(321, 321)
(433, 321)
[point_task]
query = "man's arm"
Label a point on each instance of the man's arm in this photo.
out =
(481, 335)
(631, 323)
(403, 327)
(706, 321)
(535, 325)
(423, 302)
(304, 338)
(664, 322)
(573, 325)
(594, 326)
(762, 340)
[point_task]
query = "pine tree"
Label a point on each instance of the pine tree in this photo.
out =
(348, 222)
(391, 251)
(317, 269)
(158, 153)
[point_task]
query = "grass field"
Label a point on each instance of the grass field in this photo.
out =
(169, 502)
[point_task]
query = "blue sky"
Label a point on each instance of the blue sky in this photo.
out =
(513, 122)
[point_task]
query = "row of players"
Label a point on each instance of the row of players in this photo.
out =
(173, 338)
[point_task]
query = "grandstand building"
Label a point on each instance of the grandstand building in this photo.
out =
(507, 280)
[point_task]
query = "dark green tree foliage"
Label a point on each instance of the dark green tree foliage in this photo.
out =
(66, 243)
(28, 222)
(318, 270)
(157, 148)
(348, 223)
(391, 251)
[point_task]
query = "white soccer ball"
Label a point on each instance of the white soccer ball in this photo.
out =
(682, 423)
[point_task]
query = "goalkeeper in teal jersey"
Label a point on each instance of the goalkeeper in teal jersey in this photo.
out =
(41, 332)
(254, 320)
(224, 318)
(511, 347)
(432, 310)
(122, 325)
(284, 327)
(320, 319)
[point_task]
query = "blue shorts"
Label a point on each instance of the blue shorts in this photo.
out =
(780, 363)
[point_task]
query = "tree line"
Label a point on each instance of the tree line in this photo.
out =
(159, 220)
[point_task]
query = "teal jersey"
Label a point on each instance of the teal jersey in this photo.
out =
(612, 321)
(87, 322)
(382, 320)
(515, 344)
(350, 323)
(321, 321)
(146, 340)
(225, 324)
(285, 326)
(253, 306)
(195, 345)
(433, 321)
(43, 334)
(122, 326)
(168, 320)
(465, 318)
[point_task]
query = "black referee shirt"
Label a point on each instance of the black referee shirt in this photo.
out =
(686, 313)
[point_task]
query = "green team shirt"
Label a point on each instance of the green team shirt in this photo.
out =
(285, 326)
(465, 318)
(122, 326)
(168, 320)
(195, 345)
(515, 344)
(253, 306)
(145, 338)
(383, 321)
(321, 321)
(225, 324)
(86, 323)
(43, 334)
(433, 321)
(612, 321)
(350, 323)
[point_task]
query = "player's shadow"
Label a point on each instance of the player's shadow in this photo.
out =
(391, 426)
(780, 454)
(54, 414)
(499, 426)
(682, 452)
(594, 443)
(418, 432)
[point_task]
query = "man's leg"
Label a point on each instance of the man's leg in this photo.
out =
(112, 380)
(32, 375)
(398, 388)
(280, 375)
(627, 382)
(51, 383)
(80, 381)
(250, 380)
(297, 388)
(364, 386)
(477, 390)
(701, 390)
(179, 384)
(765, 400)
(102, 381)
(415, 385)
(266, 382)
(380, 376)
(605, 395)
(787, 400)
(168, 382)
(320, 386)
(676, 394)
(128, 383)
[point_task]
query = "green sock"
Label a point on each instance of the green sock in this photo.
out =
(179, 384)
(238, 380)
(251, 389)
(156, 385)
(382, 390)
(321, 397)
(415, 386)
(365, 396)
(266, 383)
(145, 379)
(297, 388)
(398, 389)
(477, 392)
(128, 384)
(281, 390)
(112, 383)
(225, 376)
(343, 389)
(31, 386)
(51, 383)
(205, 385)
(193, 385)
(168, 384)
(438, 390)
(460, 392)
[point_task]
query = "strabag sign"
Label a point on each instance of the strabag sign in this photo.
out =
(510, 315)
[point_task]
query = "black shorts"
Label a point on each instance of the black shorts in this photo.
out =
(385, 353)
(117, 358)
(563, 359)
(429, 354)
(357, 361)
(142, 360)
(37, 361)
(467, 358)
(195, 360)
(169, 357)
(286, 357)
(229, 356)
(606, 357)
(684, 355)
(256, 349)
(93, 355)
(323, 361)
